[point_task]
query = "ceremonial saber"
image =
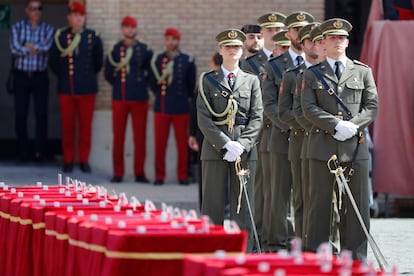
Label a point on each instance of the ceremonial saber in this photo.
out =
(338, 171)
(243, 175)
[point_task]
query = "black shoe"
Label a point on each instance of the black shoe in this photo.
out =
(141, 178)
(184, 182)
(39, 158)
(67, 167)
(158, 182)
(85, 167)
(116, 179)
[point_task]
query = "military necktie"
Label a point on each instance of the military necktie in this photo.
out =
(337, 69)
(232, 79)
(299, 60)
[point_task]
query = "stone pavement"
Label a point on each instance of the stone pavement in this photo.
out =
(394, 236)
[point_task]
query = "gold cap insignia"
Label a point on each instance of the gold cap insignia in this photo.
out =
(272, 18)
(300, 17)
(232, 34)
(338, 24)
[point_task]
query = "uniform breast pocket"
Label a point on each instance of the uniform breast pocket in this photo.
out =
(244, 100)
(353, 91)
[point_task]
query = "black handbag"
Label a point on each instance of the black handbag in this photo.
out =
(10, 83)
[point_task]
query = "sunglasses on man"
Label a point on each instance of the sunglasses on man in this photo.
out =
(38, 8)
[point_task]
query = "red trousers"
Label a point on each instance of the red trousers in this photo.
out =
(162, 123)
(120, 112)
(76, 111)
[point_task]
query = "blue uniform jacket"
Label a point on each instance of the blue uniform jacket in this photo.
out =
(136, 75)
(180, 91)
(77, 72)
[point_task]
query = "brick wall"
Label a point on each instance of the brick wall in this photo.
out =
(198, 20)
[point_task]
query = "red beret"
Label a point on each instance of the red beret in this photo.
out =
(173, 32)
(129, 21)
(77, 7)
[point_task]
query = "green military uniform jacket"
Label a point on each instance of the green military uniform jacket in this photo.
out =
(299, 116)
(357, 90)
(255, 64)
(270, 85)
(247, 93)
(285, 109)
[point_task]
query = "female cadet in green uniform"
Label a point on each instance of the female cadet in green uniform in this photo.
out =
(229, 110)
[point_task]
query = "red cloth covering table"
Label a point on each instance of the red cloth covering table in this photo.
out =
(268, 264)
(59, 232)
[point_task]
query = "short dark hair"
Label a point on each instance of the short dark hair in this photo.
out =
(217, 59)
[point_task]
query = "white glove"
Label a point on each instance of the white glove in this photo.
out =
(234, 148)
(228, 156)
(347, 129)
(338, 136)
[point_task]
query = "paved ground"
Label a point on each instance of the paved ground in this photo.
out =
(394, 236)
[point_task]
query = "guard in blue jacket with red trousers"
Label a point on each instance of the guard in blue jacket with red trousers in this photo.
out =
(126, 69)
(173, 81)
(76, 57)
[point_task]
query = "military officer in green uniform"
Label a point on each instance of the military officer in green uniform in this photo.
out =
(280, 228)
(254, 39)
(315, 35)
(338, 129)
(297, 132)
(282, 43)
(270, 23)
(229, 111)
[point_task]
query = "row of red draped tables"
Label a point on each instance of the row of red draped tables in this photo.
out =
(75, 230)
(79, 230)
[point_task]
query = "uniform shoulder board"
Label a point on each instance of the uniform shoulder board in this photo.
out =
(276, 58)
(360, 63)
(209, 72)
(255, 54)
(314, 65)
(190, 58)
(295, 68)
(248, 72)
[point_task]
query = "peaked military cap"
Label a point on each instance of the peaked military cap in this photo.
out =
(298, 19)
(316, 34)
(231, 37)
(273, 19)
(304, 33)
(281, 39)
(336, 26)
(251, 29)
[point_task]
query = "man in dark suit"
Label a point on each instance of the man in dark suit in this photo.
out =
(76, 57)
(229, 112)
(338, 129)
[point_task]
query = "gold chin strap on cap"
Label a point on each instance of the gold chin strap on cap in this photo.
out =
(71, 47)
(125, 60)
(230, 111)
(168, 72)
